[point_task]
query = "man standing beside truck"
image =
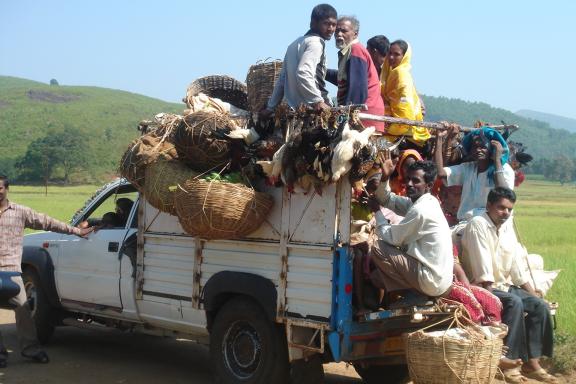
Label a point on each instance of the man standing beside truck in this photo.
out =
(417, 252)
(301, 80)
(13, 219)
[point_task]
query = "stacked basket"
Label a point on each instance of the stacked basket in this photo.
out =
(167, 162)
(260, 83)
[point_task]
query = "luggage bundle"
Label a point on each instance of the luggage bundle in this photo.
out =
(210, 166)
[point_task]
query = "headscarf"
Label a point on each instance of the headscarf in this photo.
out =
(401, 98)
(405, 155)
(487, 134)
(397, 184)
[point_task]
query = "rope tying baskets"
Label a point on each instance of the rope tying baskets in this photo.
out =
(220, 210)
(197, 146)
(142, 152)
(162, 178)
(260, 83)
(458, 355)
(225, 88)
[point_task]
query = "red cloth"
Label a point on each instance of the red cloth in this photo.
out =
(518, 177)
(482, 306)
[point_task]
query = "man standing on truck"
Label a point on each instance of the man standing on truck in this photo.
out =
(492, 260)
(301, 80)
(357, 79)
(417, 252)
(13, 219)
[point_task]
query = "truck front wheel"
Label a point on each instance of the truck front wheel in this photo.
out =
(39, 305)
(246, 347)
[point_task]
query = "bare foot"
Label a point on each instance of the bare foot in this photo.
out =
(506, 363)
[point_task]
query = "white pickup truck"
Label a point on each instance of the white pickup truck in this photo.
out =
(272, 306)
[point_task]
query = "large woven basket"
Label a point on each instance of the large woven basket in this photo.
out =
(223, 87)
(220, 210)
(448, 360)
(141, 152)
(260, 83)
(196, 144)
(162, 179)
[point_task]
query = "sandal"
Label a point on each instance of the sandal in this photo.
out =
(541, 375)
(512, 376)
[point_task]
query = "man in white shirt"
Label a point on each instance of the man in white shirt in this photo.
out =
(417, 252)
(491, 259)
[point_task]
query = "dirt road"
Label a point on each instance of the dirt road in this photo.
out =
(107, 356)
(81, 356)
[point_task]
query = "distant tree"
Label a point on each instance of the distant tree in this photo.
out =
(561, 169)
(73, 154)
(54, 82)
(63, 150)
(38, 162)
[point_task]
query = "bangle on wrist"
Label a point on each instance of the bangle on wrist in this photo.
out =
(499, 171)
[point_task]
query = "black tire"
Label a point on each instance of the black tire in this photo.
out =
(42, 312)
(246, 347)
(383, 374)
(307, 372)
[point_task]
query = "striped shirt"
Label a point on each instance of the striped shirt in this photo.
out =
(13, 220)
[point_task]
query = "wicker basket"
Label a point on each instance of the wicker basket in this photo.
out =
(162, 178)
(223, 87)
(141, 152)
(260, 83)
(220, 210)
(448, 360)
(197, 146)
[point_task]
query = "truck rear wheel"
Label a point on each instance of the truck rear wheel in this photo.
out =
(246, 347)
(383, 374)
(39, 305)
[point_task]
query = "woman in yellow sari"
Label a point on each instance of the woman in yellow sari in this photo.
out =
(399, 93)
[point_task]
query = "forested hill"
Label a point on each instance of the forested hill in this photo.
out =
(555, 121)
(105, 119)
(542, 140)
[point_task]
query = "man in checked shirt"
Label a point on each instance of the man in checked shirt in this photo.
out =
(13, 219)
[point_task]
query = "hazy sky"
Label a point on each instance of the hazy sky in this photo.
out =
(510, 54)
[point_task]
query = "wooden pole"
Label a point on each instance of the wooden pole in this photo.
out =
(427, 124)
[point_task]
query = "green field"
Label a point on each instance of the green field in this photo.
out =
(545, 214)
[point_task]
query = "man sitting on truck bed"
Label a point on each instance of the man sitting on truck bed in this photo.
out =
(417, 252)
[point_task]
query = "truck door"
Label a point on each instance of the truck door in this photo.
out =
(88, 270)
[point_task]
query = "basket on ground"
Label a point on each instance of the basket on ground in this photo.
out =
(141, 152)
(223, 87)
(162, 179)
(260, 83)
(442, 359)
(196, 144)
(220, 210)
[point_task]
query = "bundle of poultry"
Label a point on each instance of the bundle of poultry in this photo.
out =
(320, 149)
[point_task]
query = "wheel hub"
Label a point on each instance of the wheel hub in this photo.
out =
(242, 349)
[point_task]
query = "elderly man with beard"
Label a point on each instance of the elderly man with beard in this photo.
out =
(492, 260)
(356, 77)
(417, 252)
(302, 79)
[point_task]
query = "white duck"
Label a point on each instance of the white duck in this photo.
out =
(344, 151)
(273, 168)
